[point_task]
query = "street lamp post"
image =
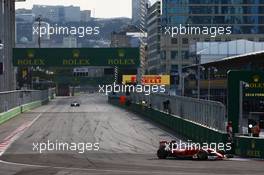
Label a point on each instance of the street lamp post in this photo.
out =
(209, 81)
(199, 80)
(198, 62)
(38, 19)
(184, 75)
(240, 106)
(183, 85)
(242, 84)
(39, 25)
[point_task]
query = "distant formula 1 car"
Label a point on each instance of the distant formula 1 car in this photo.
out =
(187, 153)
(75, 104)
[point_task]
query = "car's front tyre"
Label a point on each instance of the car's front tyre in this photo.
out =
(202, 155)
(162, 153)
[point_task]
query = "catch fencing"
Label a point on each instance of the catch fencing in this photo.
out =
(207, 113)
(12, 99)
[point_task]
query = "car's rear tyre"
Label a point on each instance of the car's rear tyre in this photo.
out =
(162, 153)
(202, 155)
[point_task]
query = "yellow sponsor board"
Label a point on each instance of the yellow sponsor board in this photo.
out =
(129, 79)
(148, 79)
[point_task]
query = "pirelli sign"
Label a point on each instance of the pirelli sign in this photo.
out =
(147, 79)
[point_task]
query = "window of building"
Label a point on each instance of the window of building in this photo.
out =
(163, 68)
(196, 39)
(174, 41)
(174, 67)
(163, 55)
(174, 55)
(185, 55)
(217, 39)
(185, 41)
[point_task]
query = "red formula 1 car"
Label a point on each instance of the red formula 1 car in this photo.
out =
(169, 149)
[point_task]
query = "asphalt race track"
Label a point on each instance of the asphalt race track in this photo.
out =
(127, 143)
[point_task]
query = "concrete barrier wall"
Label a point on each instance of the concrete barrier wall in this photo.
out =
(249, 147)
(208, 113)
(243, 146)
(29, 106)
(5, 116)
(186, 128)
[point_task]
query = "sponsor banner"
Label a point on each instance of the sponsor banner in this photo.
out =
(68, 57)
(148, 79)
(254, 87)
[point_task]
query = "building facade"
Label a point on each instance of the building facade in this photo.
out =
(52, 13)
(153, 38)
(7, 43)
(26, 34)
(58, 13)
(120, 39)
(25, 17)
(135, 11)
(245, 19)
(85, 15)
(138, 8)
(69, 42)
(72, 14)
